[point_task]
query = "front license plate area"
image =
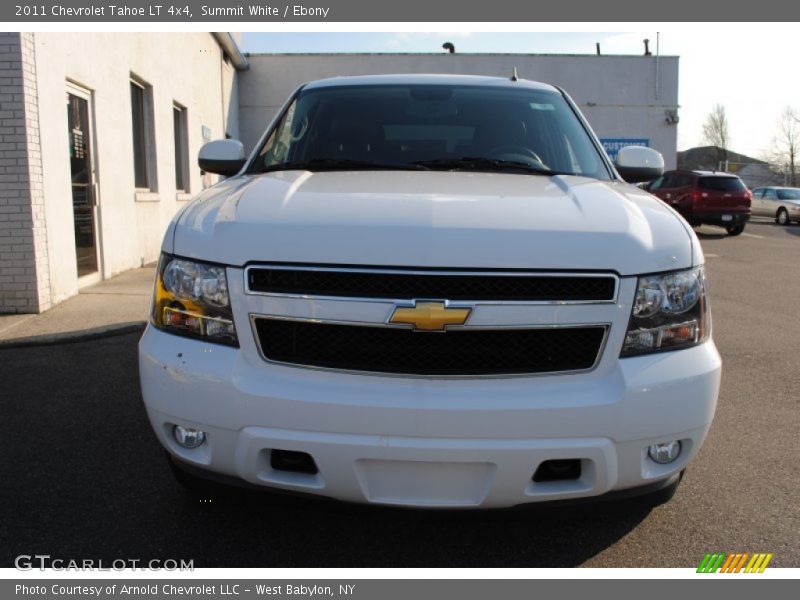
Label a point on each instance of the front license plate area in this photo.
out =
(727, 217)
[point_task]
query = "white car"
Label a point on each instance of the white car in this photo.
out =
(430, 291)
(781, 203)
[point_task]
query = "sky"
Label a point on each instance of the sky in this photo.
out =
(751, 71)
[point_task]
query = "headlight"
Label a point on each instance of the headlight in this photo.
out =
(670, 312)
(191, 299)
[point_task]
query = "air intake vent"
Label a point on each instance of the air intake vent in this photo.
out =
(558, 470)
(293, 461)
(454, 352)
(407, 285)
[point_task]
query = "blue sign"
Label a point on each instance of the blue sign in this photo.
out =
(613, 145)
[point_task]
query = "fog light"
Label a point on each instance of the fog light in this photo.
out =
(664, 454)
(188, 437)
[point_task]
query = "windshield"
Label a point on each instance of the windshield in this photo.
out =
(792, 194)
(431, 127)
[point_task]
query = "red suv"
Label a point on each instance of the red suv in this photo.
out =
(705, 198)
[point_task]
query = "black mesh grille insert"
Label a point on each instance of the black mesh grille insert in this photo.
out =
(400, 286)
(454, 352)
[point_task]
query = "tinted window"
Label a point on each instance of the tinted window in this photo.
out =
(758, 192)
(141, 176)
(181, 148)
(406, 125)
(722, 184)
(770, 194)
(673, 180)
(789, 194)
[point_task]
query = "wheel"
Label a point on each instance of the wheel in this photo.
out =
(196, 487)
(734, 229)
(783, 217)
(663, 495)
(643, 501)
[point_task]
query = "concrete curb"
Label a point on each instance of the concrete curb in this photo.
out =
(71, 337)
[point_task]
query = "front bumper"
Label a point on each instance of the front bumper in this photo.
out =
(429, 442)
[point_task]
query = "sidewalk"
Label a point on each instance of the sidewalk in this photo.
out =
(115, 305)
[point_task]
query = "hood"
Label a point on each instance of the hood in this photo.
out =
(434, 219)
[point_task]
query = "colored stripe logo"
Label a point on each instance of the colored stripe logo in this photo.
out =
(740, 562)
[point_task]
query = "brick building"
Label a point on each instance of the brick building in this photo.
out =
(96, 135)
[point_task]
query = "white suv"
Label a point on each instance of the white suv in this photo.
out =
(430, 291)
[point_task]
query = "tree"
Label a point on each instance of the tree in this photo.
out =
(785, 152)
(715, 131)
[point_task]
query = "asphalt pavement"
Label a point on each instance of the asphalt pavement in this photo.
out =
(82, 475)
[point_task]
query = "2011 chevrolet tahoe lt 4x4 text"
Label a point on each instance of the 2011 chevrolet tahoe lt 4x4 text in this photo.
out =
(431, 291)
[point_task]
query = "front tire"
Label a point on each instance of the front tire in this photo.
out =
(663, 495)
(782, 218)
(195, 487)
(734, 229)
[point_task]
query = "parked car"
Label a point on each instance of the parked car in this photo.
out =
(781, 203)
(706, 198)
(431, 291)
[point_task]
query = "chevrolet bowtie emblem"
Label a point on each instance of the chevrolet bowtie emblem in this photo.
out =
(429, 316)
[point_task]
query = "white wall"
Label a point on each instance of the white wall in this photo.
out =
(187, 68)
(616, 93)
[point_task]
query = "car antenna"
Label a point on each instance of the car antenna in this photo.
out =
(514, 74)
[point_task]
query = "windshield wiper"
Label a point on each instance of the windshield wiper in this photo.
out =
(482, 163)
(342, 164)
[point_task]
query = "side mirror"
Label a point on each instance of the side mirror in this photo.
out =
(637, 163)
(224, 157)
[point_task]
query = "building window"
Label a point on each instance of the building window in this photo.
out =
(144, 159)
(179, 123)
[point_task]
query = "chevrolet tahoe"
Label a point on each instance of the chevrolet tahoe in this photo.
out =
(430, 291)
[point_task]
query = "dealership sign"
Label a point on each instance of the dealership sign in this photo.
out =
(613, 145)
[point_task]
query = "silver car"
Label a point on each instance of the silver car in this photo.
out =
(781, 203)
